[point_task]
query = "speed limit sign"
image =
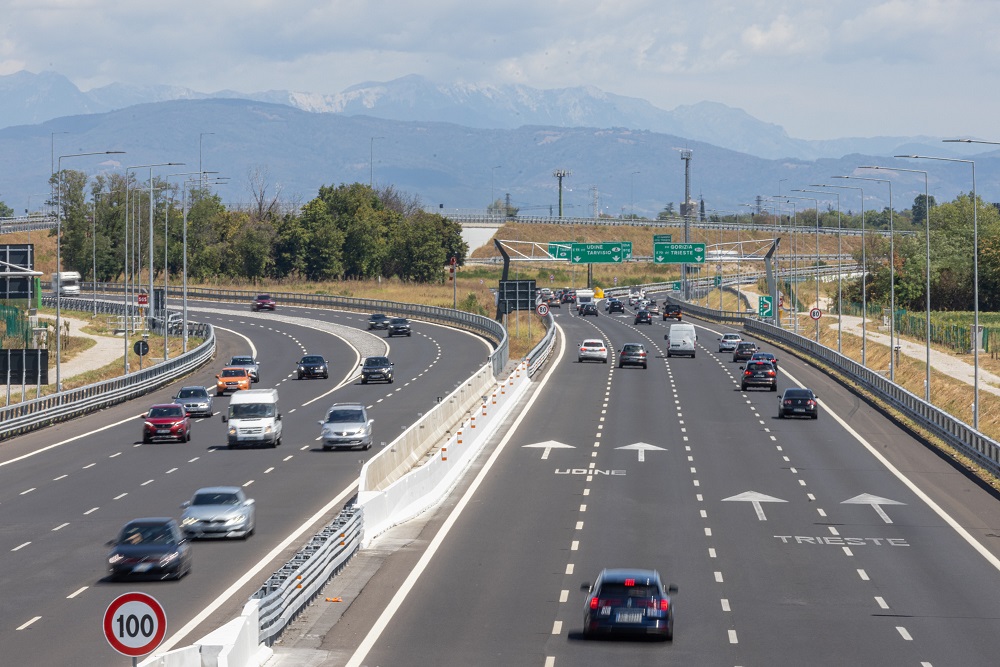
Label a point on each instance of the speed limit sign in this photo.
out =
(815, 313)
(542, 309)
(135, 624)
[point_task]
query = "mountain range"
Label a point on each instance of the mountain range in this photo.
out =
(455, 147)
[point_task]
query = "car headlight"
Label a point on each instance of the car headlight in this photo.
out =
(169, 558)
(114, 558)
(267, 429)
(302, 368)
(232, 430)
(236, 519)
(149, 425)
(188, 520)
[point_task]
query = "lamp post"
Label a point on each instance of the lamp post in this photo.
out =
(59, 212)
(168, 164)
(975, 280)
(840, 269)
(864, 270)
(200, 135)
(816, 202)
(632, 194)
(493, 171)
(371, 162)
(93, 240)
(52, 164)
(892, 274)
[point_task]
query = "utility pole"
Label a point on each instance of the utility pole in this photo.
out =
(686, 212)
(560, 174)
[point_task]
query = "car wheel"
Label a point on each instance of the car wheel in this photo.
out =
(368, 446)
(188, 436)
(743, 387)
(774, 387)
(605, 360)
(299, 376)
(390, 380)
(644, 365)
(326, 376)
(621, 365)
(781, 414)
(364, 380)
(409, 334)
(219, 393)
(816, 416)
(146, 440)
(325, 448)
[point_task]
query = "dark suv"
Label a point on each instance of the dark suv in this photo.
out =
(399, 326)
(673, 312)
(744, 351)
(616, 306)
(378, 321)
(589, 309)
(376, 368)
(262, 302)
(759, 374)
(643, 317)
(632, 354)
(312, 366)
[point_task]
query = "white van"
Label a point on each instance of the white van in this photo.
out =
(681, 339)
(253, 418)
(66, 283)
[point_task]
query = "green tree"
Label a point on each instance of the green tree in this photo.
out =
(75, 245)
(324, 242)
(920, 206)
(5, 211)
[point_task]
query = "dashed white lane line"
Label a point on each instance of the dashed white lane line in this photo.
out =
(550, 661)
(28, 490)
(579, 525)
(863, 575)
(725, 605)
(569, 568)
(76, 592)
(60, 526)
(718, 577)
(147, 482)
(89, 465)
(557, 627)
(563, 595)
(711, 552)
(56, 479)
(732, 637)
(120, 496)
(91, 510)
(574, 545)
(903, 633)
(114, 455)
(881, 602)
(25, 625)
(708, 532)
(20, 546)
(248, 483)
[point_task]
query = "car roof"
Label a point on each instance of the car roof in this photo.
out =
(732, 335)
(194, 386)
(346, 405)
(218, 489)
(593, 340)
(151, 519)
(618, 575)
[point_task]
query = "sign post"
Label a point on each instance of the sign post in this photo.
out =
(135, 624)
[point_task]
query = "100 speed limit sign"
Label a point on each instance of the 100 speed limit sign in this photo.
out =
(135, 624)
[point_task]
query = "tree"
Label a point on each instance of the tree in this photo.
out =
(920, 206)
(667, 212)
(5, 211)
(75, 245)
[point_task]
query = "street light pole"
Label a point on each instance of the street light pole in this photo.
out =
(200, 135)
(975, 281)
(632, 194)
(864, 271)
(59, 218)
(840, 269)
(371, 162)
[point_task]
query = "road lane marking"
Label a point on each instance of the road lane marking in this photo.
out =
(718, 577)
(863, 575)
(28, 491)
(56, 479)
(732, 637)
(147, 482)
(114, 455)
(563, 595)
(60, 526)
(76, 592)
(20, 546)
(120, 496)
(574, 545)
(22, 627)
(569, 568)
(881, 602)
(248, 484)
(903, 633)
(725, 605)
(557, 628)
(708, 532)
(171, 470)
(91, 510)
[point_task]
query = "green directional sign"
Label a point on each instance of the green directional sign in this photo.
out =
(597, 253)
(717, 281)
(560, 249)
(675, 286)
(678, 253)
(663, 238)
(765, 306)
(627, 249)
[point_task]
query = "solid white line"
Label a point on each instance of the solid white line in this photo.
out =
(396, 602)
(76, 592)
(22, 627)
(254, 571)
(972, 541)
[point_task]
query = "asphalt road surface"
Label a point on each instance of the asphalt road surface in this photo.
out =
(66, 490)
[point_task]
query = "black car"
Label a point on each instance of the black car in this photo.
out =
(616, 306)
(796, 402)
(376, 368)
(643, 317)
(398, 326)
(629, 601)
(673, 312)
(378, 321)
(313, 366)
(765, 356)
(632, 354)
(262, 302)
(589, 309)
(744, 351)
(153, 548)
(759, 374)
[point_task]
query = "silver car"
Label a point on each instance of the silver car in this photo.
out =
(251, 364)
(729, 341)
(347, 425)
(219, 511)
(196, 401)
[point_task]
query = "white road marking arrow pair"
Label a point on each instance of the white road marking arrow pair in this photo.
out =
(756, 499)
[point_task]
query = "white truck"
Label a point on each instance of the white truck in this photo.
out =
(253, 418)
(583, 296)
(66, 283)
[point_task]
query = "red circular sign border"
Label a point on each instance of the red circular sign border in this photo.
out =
(161, 621)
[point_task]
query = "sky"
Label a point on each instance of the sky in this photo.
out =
(820, 69)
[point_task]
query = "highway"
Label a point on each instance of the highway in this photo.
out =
(67, 490)
(838, 541)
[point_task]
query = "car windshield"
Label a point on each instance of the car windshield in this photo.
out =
(622, 591)
(192, 392)
(345, 416)
(377, 316)
(217, 498)
(376, 361)
(731, 337)
(264, 297)
(251, 410)
(312, 360)
(146, 533)
(398, 320)
(165, 412)
(233, 372)
(242, 360)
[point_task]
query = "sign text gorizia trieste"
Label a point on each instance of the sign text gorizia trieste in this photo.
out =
(678, 253)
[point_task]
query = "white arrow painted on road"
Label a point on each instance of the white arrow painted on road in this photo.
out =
(875, 502)
(641, 447)
(548, 446)
(756, 499)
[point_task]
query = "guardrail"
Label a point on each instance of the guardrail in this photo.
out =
(27, 223)
(478, 324)
(30, 415)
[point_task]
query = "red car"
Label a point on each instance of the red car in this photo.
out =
(262, 302)
(167, 421)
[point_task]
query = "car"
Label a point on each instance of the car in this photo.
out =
(592, 349)
(251, 364)
(347, 425)
(232, 378)
(166, 421)
(568, 297)
(632, 354)
(729, 341)
(643, 317)
(616, 307)
(797, 402)
(589, 309)
(759, 374)
(398, 326)
(672, 312)
(196, 401)
(554, 302)
(653, 308)
(219, 511)
(378, 321)
(150, 548)
(312, 366)
(744, 350)
(629, 602)
(376, 368)
(607, 303)
(262, 302)
(765, 356)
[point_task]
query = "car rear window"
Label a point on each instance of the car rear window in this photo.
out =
(622, 591)
(798, 393)
(592, 343)
(632, 348)
(759, 367)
